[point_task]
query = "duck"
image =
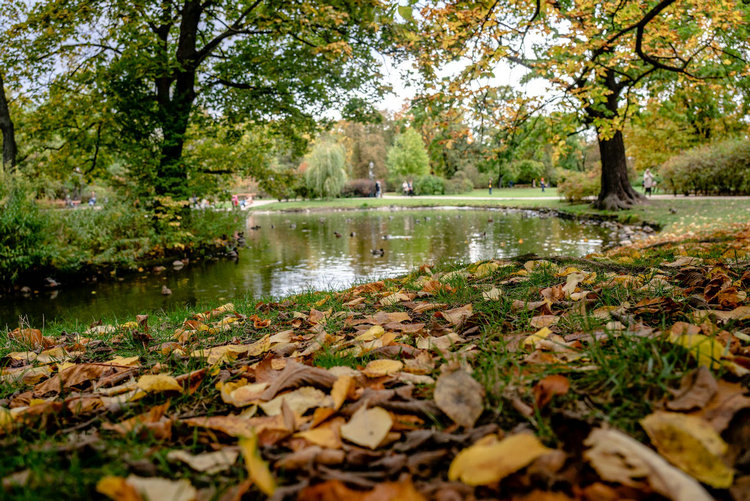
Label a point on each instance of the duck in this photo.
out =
(165, 291)
(51, 282)
(385, 237)
(377, 252)
(351, 234)
(337, 234)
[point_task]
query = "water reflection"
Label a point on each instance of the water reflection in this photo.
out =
(292, 252)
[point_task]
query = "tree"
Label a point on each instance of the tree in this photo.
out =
(10, 150)
(600, 57)
(326, 174)
(279, 62)
(408, 157)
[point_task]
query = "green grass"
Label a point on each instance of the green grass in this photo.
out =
(673, 215)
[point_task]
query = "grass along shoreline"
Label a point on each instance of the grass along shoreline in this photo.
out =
(503, 379)
(673, 215)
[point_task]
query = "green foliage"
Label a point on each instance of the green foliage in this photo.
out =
(283, 184)
(358, 188)
(525, 171)
(577, 186)
(720, 168)
(23, 233)
(459, 183)
(408, 157)
(429, 185)
(325, 175)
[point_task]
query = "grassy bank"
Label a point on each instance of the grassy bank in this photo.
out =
(482, 381)
(114, 238)
(673, 215)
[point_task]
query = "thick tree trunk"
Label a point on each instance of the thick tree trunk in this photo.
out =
(172, 175)
(10, 149)
(616, 192)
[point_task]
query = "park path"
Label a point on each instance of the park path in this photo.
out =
(463, 197)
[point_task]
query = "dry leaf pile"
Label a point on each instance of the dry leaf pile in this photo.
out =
(613, 377)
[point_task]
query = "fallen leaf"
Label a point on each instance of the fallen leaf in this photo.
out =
(233, 426)
(492, 295)
(299, 401)
(617, 457)
(135, 488)
(691, 444)
(29, 337)
(487, 463)
(696, 390)
(729, 400)
(541, 321)
(208, 462)
(706, 350)
(380, 368)
(257, 468)
(327, 435)
(367, 427)
(457, 316)
(158, 383)
(340, 390)
(460, 397)
(544, 390)
(241, 394)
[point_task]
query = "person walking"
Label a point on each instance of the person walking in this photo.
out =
(405, 187)
(490, 186)
(378, 190)
(648, 182)
(542, 184)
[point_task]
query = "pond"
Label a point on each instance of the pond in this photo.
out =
(293, 252)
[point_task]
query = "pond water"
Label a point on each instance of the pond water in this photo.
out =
(293, 252)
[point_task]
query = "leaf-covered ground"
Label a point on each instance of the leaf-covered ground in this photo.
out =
(619, 376)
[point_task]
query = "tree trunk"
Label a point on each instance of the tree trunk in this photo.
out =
(10, 149)
(616, 192)
(172, 175)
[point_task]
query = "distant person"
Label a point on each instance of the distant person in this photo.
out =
(378, 190)
(490, 186)
(410, 188)
(648, 182)
(542, 184)
(405, 187)
(235, 201)
(194, 201)
(68, 200)
(92, 200)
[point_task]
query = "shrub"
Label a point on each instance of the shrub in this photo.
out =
(719, 168)
(325, 175)
(358, 188)
(429, 185)
(576, 186)
(408, 156)
(459, 183)
(525, 171)
(478, 179)
(23, 230)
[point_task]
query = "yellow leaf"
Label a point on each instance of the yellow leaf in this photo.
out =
(483, 464)
(707, 351)
(691, 444)
(380, 368)
(340, 390)
(124, 361)
(324, 436)
(117, 488)
(485, 269)
(299, 401)
(257, 469)
(155, 383)
(531, 341)
(6, 419)
(367, 427)
(370, 334)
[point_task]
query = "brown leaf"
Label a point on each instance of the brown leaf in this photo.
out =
(456, 316)
(29, 337)
(367, 427)
(729, 399)
(544, 390)
(71, 376)
(296, 374)
(696, 390)
(460, 397)
(540, 321)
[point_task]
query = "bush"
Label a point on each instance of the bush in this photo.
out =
(429, 185)
(23, 231)
(478, 179)
(717, 169)
(358, 188)
(325, 175)
(459, 183)
(576, 186)
(525, 171)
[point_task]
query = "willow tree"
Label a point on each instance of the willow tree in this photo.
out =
(600, 57)
(260, 61)
(326, 170)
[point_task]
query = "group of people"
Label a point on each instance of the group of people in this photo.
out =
(407, 188)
